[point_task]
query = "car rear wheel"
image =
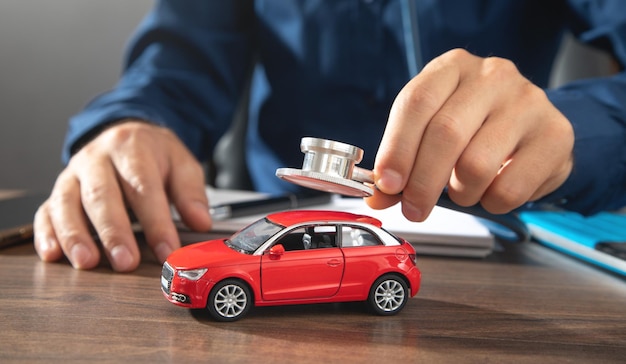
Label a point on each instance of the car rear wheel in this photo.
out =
(388, 295)
(229, 300)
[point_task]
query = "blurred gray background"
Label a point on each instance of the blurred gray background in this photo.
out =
(54, 57)
(57, 55)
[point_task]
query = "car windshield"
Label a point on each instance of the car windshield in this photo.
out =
(249, 239)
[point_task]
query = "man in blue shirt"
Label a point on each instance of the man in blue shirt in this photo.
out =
(438, 93)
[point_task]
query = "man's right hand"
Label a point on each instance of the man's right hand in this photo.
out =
(134, 166)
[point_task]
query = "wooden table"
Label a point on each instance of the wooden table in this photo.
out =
(526, 304)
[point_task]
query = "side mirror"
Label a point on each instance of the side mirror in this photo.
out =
(276, 251)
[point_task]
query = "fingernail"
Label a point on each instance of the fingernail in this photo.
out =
(80, 256)
(121, 258)
(390, 181)
(411, 212)
(162, 251)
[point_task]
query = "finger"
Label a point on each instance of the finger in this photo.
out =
(482, 159)
(480, 163)
(510, 119)
(552, 147)
(537, 167)
(187, 190)
(451, 128)
(410, 113)
(46, 244)
(445, 138)
(513, 186)
(146, 180)
(104, 204)
(69, 223)
(142, 184)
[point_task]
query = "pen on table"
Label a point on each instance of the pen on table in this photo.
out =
(16, 235)
(16, 216)
(267, 205)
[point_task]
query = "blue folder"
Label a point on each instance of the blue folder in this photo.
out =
(599, 239)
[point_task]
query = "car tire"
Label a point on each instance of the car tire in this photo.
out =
(388, 295)
(229, 300)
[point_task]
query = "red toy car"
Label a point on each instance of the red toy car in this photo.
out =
(294, 257)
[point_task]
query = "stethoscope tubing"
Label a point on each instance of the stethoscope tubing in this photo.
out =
(412, 44)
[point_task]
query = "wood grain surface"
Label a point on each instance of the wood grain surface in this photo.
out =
(526, 304)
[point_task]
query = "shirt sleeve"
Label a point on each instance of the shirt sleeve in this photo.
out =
(597, 110)
(185, 69)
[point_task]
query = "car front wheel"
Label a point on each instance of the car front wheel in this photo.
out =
(388, 295)
(229, 300)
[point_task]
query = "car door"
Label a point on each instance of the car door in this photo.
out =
(311, 267)
(366, 258)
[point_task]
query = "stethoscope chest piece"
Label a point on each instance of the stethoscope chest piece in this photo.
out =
(330, 166)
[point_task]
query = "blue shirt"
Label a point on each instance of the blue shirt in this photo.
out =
(331, 69)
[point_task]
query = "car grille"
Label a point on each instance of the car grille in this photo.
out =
(166, 278)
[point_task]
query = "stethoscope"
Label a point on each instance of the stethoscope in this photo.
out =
(330, 166)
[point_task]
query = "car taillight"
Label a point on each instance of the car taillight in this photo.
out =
(413, 258)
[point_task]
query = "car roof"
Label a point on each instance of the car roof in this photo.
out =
(288, 218)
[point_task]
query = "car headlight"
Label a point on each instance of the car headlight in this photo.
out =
(192, 274)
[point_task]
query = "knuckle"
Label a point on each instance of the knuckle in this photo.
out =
(95, 193)
(456, 55)
(65, 178)
(131, 132)
(473, 168)
(190, 166)
(446, 128)
(120, 135)
(419, 99)
(139, 185)
(530, 94)
(58, 200)
(561, 129)
(499, 69)
(69, 237)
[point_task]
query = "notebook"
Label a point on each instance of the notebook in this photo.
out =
(599, 239)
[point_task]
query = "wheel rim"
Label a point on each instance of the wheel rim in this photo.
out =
(230, 301)
(389, 295)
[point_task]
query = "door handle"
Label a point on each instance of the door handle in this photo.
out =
(334, 263)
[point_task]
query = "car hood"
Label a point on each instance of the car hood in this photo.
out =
(205, 254)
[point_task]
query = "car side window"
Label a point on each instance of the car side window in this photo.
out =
(352, 236)
(323, 236)
(309, 237)
(296, 239)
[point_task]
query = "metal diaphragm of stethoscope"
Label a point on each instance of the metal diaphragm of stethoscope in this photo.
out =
(330, 166)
